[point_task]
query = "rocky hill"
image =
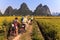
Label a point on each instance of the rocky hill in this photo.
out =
(8, 11)
(42, 10)
(24, 10)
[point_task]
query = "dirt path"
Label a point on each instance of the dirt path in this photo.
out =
(24, 36)
(17, 37)
(27, 35)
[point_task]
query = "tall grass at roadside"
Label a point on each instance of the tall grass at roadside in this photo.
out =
(36, 34)
(51, 27)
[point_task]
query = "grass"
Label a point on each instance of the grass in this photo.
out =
(51, 26)
(36, 34)
(6, 20)
(2, 36)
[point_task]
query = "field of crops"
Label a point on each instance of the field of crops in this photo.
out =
(51, 26)
(7, 20)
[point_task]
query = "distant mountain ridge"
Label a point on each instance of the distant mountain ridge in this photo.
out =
(42, 10)
(24, 10)
(55, 14)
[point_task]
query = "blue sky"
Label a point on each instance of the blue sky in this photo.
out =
(54, 5)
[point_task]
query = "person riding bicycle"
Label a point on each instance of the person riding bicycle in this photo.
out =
(15, 25)
(24, 22)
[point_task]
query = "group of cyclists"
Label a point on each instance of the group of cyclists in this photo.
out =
(20, 26)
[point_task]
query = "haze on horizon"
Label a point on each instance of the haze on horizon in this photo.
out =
(54, 5)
